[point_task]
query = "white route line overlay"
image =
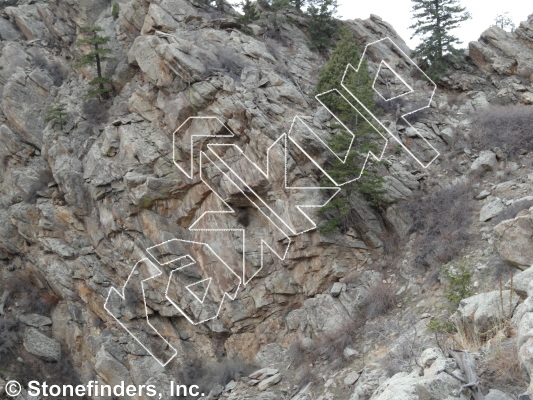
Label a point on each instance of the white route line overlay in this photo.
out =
(403, 94)
(285, 137)
(123, 297)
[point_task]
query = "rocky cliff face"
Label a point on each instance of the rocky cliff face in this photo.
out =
(83, 202)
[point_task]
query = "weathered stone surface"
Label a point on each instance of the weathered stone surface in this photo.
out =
(41, 345)
(521, 282)
(484, 311)
(24, 101)
(486, 161)
(35, 320)
(268, 382)
(351, 378)
(495, 394)
(8, 31)
(110, 369)
(432, 383)
(498, 51)
(515, 244)
(492, 207)
(81, 203)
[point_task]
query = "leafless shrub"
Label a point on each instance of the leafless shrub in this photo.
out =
(95, 111)
(453, 98)
(441, 220)
(508, 127)
(57, 72)
(230, 61)
(380, 299)
(329, 347)
(298, 353)
(29, 296)
(40, 61)
(406, 349)
(55, 69)
(304, 377)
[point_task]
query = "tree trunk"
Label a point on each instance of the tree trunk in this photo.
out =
(466, 363)
(98, 67)
(439, 32)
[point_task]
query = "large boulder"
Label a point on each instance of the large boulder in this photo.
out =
(481, 313)
(492, 207)
(486, 161)
(499, 51)
(525, 336)
(41, 345)
(433, 384)
(515, 239)
(521, 282)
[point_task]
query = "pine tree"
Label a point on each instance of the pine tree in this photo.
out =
(56, 115)
(250, 13)
(322, 24)
(339, 212)
(298, 4)
(115, 11)
(435, 19)
(95, 57)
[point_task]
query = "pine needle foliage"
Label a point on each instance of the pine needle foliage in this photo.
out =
(323, 27)
(95, 57)
(435, 19)
(339, 212)
(56, 115)
(250, 13)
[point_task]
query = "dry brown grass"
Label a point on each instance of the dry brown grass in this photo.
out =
(500, 368)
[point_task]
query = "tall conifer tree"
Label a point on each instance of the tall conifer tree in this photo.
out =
(322, 25)
(435, 19)
(95, 57)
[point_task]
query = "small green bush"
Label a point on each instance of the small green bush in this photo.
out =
(458, 283)
(116, 10)
(438, 326)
